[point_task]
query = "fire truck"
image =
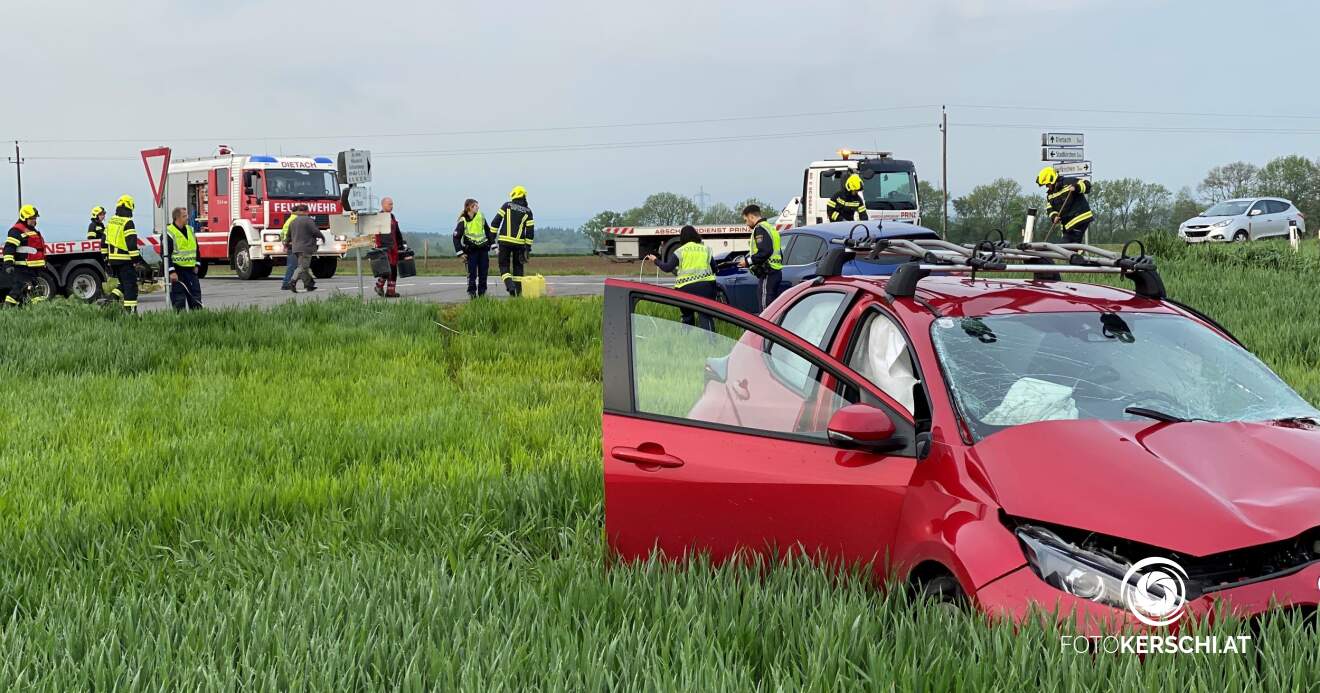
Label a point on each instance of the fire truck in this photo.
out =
(239, 202)
(889, 187)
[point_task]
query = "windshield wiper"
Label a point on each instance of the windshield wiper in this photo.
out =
(1155, 414)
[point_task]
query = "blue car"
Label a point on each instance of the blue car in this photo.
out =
(803, 247)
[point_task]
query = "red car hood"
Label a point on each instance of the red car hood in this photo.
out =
(1196, 488)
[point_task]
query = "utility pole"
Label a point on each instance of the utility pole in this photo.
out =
(17, 161)
(944, 175)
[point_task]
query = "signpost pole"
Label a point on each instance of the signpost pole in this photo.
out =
(161, 202)
(362, 287)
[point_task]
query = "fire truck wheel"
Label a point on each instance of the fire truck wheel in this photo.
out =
(45, 286)
(201, 270)
(324, 267)
(84, 284)
(245, 266)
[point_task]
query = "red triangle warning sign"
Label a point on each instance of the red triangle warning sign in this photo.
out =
(157, 163)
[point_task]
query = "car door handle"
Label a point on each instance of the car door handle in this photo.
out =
(640, 457)
(740, 390)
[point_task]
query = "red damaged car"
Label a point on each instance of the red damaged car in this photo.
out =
(1003, 442)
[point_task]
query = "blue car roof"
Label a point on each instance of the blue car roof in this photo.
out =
(841, 229)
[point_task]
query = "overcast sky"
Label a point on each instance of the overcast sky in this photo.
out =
(412, 81)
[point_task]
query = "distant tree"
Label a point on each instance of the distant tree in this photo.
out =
(720, 213)
(667, 209)
(1237, 179)
(592, 229)
(1184, 207)
(1295, 178)
(997, 205)
(1126, 208)
(932, 205)
(768, 210)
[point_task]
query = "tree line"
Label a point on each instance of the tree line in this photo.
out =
(671, 209)
(1126, 208)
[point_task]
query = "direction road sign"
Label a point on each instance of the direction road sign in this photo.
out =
(1062, 139)
(1061, 154)
(359, 199)
(355, 166)
(157, 163)
(1075, 169)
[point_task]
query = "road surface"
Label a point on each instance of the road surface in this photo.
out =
(224, 292)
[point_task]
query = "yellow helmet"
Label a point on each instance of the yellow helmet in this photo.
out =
(517, 192)
(1047, 176)
(854, 183)
(97, 211)
(126, 201)
(27, 213)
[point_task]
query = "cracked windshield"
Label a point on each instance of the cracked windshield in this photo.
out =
(1018, 369)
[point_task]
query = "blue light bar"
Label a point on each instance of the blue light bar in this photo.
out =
(323, 160)
(263, 159)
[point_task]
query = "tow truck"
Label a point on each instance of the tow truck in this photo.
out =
(239, 202)
(889, 188)
(75, 269)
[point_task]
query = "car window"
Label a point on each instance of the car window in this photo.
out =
(805, 251)
(810, 318)
(1276, 206)
(881, 354)
(1261, 205)
(716, 372)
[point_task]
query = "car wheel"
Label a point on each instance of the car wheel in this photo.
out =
(943, 590)
(85, 284)
(1241, 236)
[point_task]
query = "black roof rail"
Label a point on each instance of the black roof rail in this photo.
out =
(1046, 261)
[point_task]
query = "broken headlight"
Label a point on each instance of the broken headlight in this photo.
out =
(1074, 570)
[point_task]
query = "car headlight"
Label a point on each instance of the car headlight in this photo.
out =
(341, 239)
(1073, 569)
(1221, 224)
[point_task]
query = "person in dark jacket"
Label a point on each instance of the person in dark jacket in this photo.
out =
(1067, 202)
(123, 253)
(766, 258)
(393, 244)
(694, 265)
(515, 231)
(847, 204)
(304, 237)
(472, 239)
(96, 232)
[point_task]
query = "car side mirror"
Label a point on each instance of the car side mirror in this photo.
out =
(862, 426)
(1255, 212)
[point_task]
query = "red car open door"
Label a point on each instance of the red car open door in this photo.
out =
(733, 435)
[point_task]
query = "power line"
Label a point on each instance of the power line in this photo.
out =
(1155, 129)
(496, 131)
(1120, 111)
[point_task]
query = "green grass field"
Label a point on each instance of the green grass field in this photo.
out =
(332, 496)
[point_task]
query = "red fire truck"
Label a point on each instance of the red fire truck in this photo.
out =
(238, 204)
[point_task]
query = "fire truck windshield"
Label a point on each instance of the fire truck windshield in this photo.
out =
(294, 184)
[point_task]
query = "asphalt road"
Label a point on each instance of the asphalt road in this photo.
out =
(222, 292)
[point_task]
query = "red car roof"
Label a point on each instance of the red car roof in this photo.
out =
(959, 296)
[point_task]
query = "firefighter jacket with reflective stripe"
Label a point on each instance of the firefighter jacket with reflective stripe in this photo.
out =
(770, 254)
(514, 223)
(1067, 202)
(25, 247)
(846, 206)
(472, 233)
(693, 264)
(182, 250)
(121, 236)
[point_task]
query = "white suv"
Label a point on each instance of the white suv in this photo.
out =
(1245, 219)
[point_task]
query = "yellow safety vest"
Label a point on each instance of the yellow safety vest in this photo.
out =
(776, 256)
(183, 246)
(116, 236)
(693, 264)
(475, 229)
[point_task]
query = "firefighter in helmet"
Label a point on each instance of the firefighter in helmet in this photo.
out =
(121, 237)
(847, 204)
(24, 256)
(515, 229)
(1066, 198)
(96, 232)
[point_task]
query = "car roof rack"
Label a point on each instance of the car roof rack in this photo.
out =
(1047, 261)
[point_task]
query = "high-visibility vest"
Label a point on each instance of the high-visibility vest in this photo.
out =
(776, 256)
(475, 229)
(183, 246)
(116, 236)
(284, 230)
(693, 264)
